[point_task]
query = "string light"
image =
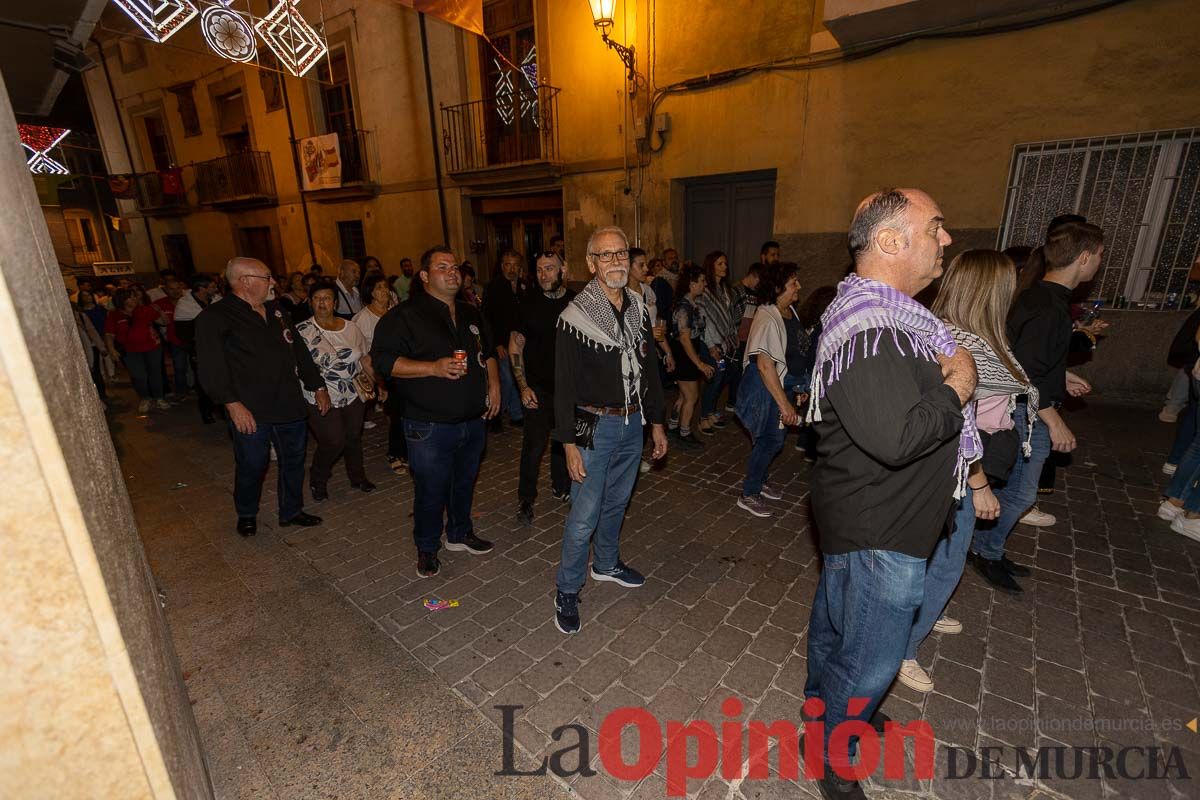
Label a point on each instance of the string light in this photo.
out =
(160, 19)
(40, 140)
(291, 38)
(227, 33)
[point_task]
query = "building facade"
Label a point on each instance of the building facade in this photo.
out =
(735, 126)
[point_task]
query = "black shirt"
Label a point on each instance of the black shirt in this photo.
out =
(537, 321)
(591, 376)
(798, 346)
(257, 362)
(502, 307)
(421, 329)
(1039, 331)
(884, 478)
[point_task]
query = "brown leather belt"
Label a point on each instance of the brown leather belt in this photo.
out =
(613, 411)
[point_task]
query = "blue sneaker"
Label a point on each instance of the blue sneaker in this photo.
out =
(624, 575)
(566, 612)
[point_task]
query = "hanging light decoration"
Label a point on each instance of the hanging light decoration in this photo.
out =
(227, 33)
(291, 38)
(39, 140)
(160, 19)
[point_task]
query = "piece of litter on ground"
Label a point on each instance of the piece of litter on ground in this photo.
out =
(436, 604)
(1090, 464)
(179, 486)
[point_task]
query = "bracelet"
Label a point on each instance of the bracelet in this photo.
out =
(978, 488)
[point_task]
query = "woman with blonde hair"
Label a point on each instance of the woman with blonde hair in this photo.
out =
(976, 293)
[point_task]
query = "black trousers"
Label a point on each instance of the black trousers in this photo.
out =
(538, 424)
(202, 399)
(338, 433)
(97, 370)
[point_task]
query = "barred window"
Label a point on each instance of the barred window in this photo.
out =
(1140, 188)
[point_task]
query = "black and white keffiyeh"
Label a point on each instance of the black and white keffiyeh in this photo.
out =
(995, 380)
(591, 318)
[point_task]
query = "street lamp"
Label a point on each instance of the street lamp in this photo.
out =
(602, 18)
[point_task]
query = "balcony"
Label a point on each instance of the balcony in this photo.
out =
(504, 137)
(154, 202)
(239, 180)
(350, 172)
(82, 256)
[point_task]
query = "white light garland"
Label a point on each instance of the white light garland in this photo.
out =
(227, 33)
(160, 19)
(40, 163)
(293, 40)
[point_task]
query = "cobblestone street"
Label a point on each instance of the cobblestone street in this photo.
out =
(316, 671)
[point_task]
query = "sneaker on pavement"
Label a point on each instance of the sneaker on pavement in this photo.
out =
(622, 574)
(1169, 511)
(947, 625)
(672, 423)
(563, 496)
(397, 464)
(730, 408)
(754, 505)
(566, 612)
(1188, 527)
(471, 544)
(770, 491)
(1014, 569)
(689, 441)
(914, 676)
(427, 565)
(1169, 468)
(645, 467)
(1038, 519)
(993, 572)
(162, 404)
(717, 421)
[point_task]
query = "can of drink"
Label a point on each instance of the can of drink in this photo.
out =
(460, 355)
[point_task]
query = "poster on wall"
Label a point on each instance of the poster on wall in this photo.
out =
(322, 166)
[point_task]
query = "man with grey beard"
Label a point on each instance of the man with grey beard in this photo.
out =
(606, 388)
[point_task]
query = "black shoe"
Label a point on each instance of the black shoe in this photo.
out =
(427, 565)
(718, 422)
(562, 496)
(831, 786)
(994, 573)
(472, 544)
(247, 526)
(301, 519)
(689, 442)
(318, 493)
(1014, 569)
(621, 574)
(566, 612)
(364, 486)
(517, 423)
(525, 513)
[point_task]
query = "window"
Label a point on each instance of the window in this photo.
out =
(339, 101)
(232, 123)
(1140, 188)
(354, 244)
(186, 103)
(512, 119)
(158, 142)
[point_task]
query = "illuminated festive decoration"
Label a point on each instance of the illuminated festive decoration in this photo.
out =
(529, 100)
(506, 94)
(227, 33)
(160, 19)
(292, 39)
(39, 141)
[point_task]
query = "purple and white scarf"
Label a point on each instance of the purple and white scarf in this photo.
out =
(865, 309)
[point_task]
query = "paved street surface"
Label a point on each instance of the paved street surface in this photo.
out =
(316, 671)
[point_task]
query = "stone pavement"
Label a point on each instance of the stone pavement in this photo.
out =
(300, 693)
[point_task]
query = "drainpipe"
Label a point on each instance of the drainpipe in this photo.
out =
(437, 157)
(287, 109)
(125, 141)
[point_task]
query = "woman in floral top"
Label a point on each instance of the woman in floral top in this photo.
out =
(340, 352)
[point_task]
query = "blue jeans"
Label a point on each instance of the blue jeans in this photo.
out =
(252, 454)
(861, 621)
(712, 389)
(598, 503)
(735, 374)
(1185, 484)
(942, 574)
(146, 372)
(510, 395)
(180, 378)
(1187, 423)
(760, 415)
(444, 460)
(1018, 494)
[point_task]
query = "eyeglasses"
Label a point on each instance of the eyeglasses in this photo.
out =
(260, 277)
(608, 256)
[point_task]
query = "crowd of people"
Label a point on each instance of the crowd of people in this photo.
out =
(930, 412)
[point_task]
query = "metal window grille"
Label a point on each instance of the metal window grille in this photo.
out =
(354, 244)
(1141, 188)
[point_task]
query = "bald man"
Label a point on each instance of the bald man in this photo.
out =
(895, 448)
(249, 356)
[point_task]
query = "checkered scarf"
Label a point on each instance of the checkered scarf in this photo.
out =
(863, 306)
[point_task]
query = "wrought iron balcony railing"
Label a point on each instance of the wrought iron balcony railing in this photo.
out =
(238, 179)
(519, 127)
(154, 201)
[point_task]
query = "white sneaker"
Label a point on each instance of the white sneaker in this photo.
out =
(914, 676)
(1188, 527)
(162, 404)
(645, 467)
(771, 492)
(368, 425)
(1038, 519)
(947, 625)
(143, 406)
(1169, 511)
(1169, 468)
